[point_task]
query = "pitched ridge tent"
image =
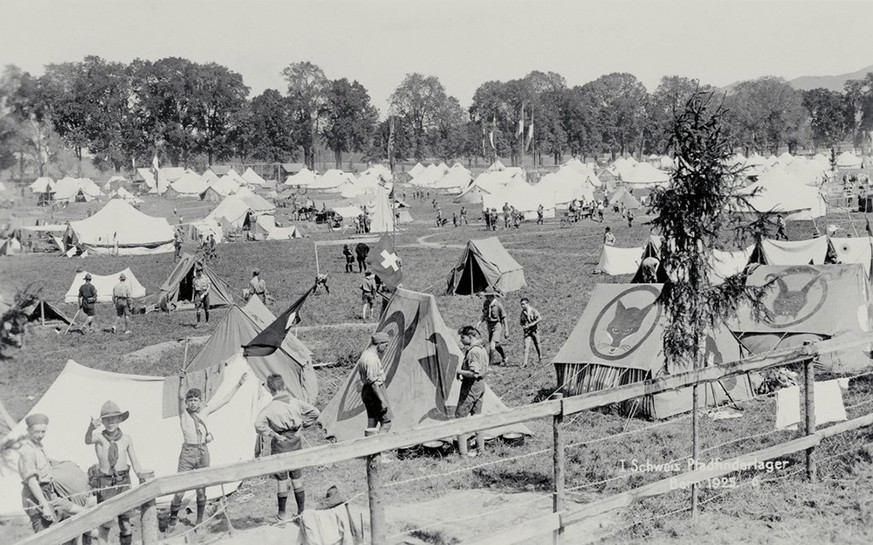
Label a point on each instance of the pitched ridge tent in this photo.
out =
(622, 196)
(237, 208)
(231, 426)
(42, 310)
(104, 285)
(485, 263)
(455, 180)
(791, 252)
(784, 193)
(491, 183)
(416, 170)
(266, 226)
(566, 184)
(618, 341)
(809, 303)
(419, 364)
(10, 246)
(615, 260)
(119, 228)
(178, 286)
(42, 184)
(76, 190)
(189, 185)
(853, 250)
(293, 360)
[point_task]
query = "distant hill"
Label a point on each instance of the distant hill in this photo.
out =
(834, 83)
(805, 83)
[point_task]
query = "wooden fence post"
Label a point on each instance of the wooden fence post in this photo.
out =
(374, 490)
(809, 380)
(148, 517)
(559, 458)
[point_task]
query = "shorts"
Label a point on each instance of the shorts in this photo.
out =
(107, 487)
(376, 403)
(122, 309)
(193, 457)
(470, 398)
(201, 301)
(368, 298)
(529, 331)
(495, 331)
(291, 443)
(62, 506)
(89, 311)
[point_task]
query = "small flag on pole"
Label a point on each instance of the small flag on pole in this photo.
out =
(384, 262)
(155, 162)
(271, 338)
(529, 133)
(520, 130)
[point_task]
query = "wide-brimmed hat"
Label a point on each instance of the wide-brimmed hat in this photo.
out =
(490, 291)
(122, 276)
(333, 498)
(110, 409)
(88, 276)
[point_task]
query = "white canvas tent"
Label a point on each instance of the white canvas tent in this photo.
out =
(304, 177)
(119, 228)
(231, 426)
(189, 185)
(252, 177)
(781, 192)
(104, 284)
(42, 185)
(76, 189)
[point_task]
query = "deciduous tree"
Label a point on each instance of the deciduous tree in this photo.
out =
(307, 86)
(349, 118)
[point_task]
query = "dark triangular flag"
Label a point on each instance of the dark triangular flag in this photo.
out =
(869, 230)
(271, 338)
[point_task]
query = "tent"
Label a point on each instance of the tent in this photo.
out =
(615, 260)
(491, 183)
(455, 180)
(419, 364)
(618, 341)
(10, 246)
(303, 178)
(791, 252)
(565, 185)
(157, 439)
(104, 285)
(189, 185)
(381, 213)
(43, 311)
(847, 250)
(237, 208)
(416, 170)
(332, 180)
(76, 190)
(119, 228)
(485, 263)
(266, 226)
(122, 193)
(621, 196)
(252, 177)
(781, 192)
(293, 360)
(178, 287)
(809, 303)
(42, 185)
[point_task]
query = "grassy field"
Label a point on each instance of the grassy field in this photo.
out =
(559, 262)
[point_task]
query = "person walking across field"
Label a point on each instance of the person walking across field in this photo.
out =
(368, 294)
(257, 286)
(361, 252)
(372, 376)
(177, 245)
(194, 413)
(88, 303)
(463, 216)
(494, 316)
(540, 213)
(39, 496)
(280, 420)
(472, 374)
(780, 228)
(202, 286)
(349, 257)
(121, 300)
(530, 321)
(115, 456)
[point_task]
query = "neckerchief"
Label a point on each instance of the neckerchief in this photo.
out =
(113, 446)
(198, 420)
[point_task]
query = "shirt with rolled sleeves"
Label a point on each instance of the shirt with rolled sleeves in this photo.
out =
(476, 360)
(33, 461)
(370, 367)
(121, 290)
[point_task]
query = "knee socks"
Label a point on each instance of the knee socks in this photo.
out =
(282, 497)
(300, 498)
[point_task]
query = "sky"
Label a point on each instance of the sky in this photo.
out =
(463, 42)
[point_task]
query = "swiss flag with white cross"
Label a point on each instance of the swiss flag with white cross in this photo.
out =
(383, 261)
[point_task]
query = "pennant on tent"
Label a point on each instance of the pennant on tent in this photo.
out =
(267, 341)
(384, 262)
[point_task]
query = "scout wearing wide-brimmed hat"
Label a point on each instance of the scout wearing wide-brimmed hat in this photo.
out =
(88, 303)
(121, 297)
(494, 316)
(115, 455)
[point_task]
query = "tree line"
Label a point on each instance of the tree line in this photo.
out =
(195, 114)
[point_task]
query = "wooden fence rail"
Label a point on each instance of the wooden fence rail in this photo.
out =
(368, 446)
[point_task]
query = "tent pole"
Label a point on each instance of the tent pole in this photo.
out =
(317, 272)
(42, 313)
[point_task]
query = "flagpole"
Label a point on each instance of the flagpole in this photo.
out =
(317, 272)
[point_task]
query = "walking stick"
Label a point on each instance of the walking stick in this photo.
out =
(73, 321)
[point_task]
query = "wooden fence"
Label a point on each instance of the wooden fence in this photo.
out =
(370, 447)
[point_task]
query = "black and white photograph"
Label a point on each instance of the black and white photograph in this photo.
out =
(448, 272)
